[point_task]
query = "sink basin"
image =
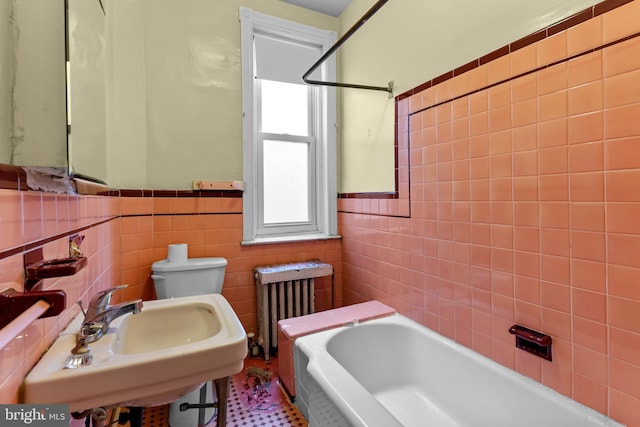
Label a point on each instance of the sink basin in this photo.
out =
(165, 327)
(156, 356)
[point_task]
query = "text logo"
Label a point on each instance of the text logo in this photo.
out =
(34, 415)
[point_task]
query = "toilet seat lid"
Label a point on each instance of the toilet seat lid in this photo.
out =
(191, 264)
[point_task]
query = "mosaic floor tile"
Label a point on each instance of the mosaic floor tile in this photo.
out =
(253, 402)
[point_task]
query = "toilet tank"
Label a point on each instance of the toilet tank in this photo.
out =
(196, 276)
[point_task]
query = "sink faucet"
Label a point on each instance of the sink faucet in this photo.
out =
(101, 313)
(97, 319)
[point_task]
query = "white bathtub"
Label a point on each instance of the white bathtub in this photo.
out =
(394, 372)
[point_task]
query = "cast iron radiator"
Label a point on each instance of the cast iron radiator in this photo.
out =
(284, 291)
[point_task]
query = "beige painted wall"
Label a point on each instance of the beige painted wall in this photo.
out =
(410, 42)
(6, 79)
(174, 89)
(174, 95)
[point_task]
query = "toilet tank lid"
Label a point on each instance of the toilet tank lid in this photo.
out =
(191, 264)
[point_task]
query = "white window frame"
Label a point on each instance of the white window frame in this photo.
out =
(324, 217)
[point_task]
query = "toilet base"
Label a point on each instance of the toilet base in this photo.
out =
(193, 417)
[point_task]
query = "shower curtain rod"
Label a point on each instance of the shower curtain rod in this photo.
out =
(336, 46)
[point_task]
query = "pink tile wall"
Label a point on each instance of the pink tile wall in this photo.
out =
(32, 220)
(524, 206)
(212, 227)
(123, 237)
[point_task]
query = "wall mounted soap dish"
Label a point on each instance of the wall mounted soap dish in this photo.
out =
(45, 269)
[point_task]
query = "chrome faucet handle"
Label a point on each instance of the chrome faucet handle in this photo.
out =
(103, 299)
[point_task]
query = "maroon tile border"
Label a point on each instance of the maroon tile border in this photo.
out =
(9, 178)
(527, 40)
(491, 56)
(175, 193)
(179, 193)
(608, 5)
(393, 195)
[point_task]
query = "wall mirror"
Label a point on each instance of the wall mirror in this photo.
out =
(41, 93)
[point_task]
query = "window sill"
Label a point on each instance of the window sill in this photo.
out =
(289, 239)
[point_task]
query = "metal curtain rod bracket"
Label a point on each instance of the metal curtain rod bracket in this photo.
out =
(336, 46)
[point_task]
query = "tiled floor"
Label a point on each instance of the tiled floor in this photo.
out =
(251, 402)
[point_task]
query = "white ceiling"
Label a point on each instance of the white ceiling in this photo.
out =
(329, 7)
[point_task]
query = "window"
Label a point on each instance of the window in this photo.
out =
(289, 135)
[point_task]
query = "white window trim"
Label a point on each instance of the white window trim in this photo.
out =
(251, 22)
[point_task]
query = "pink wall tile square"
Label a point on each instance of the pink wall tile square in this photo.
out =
(499, 70)
(555, 296)
(478, 77)
(523, 60)
(588, 275)
(559, 379)
(618, 188)
(525, 188)
(623, 313)
(625, 346)
(590, 393)
(11, 213)
(552, 49)
(586, 157)
(479, 124)
(590, 334)
(553, 106)
(587, 216)
(552, 79)
(586, 128)
(622, 281)
(625, 377)
(620, 22)
(553, 160)
(584, 69)
(526, 239)
(588, 245)
(584, 36)
(523, 88)
(524, 112)
(622, 153)
(554, 187)
(623, 218)
(553, 133)
(555, 242)
(622, 89)
(526, 214)
(526, 264)
(33, 221)
(621, 57)
(554, 215)
(624, 407)
(620, 122)
(588, 186)
(527, 289)
(590, 305)
(588, 98)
